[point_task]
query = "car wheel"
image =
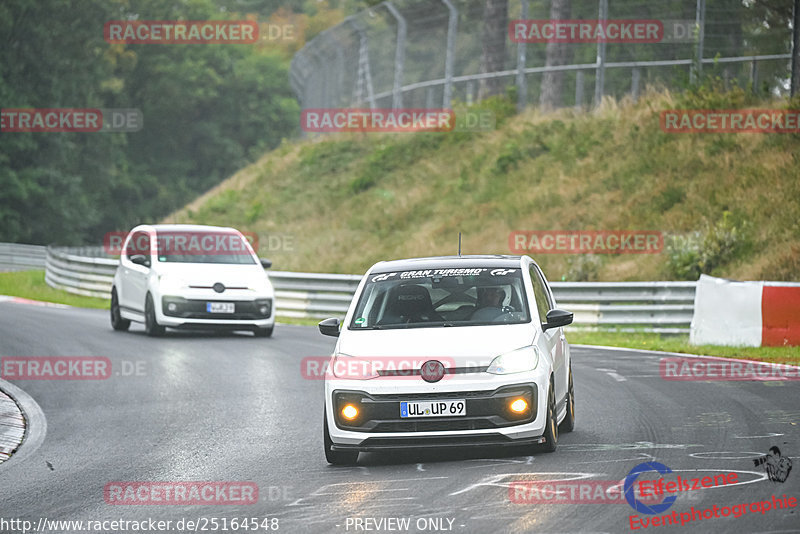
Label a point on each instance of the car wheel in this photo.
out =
(117, 322)
(568, 424)
(263, 332)
(151, 326)
(550, 428)
(336, 457)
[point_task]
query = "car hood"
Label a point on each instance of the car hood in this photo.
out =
(458, 345)
(207, 274)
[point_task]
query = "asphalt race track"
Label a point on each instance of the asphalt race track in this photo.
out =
(206, 407)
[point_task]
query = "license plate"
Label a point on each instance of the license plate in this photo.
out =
(220, 307)
(438, 408)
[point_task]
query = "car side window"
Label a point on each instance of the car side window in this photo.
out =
(540, 294)
(138, 244)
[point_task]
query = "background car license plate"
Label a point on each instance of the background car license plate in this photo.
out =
(220, 307)
(438, 408)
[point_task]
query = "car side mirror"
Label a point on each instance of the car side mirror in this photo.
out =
(556, 318)
(329, 327)
(140, 259)
(265, 263)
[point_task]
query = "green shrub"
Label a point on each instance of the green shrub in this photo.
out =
(702, 252)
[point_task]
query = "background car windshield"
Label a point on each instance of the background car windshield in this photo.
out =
(202, 247)
(442, 297)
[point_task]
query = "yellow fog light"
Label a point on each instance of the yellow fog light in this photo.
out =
(519, 406)
(349, 412)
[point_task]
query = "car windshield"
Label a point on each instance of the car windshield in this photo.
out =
(442, 297)
(202, 247)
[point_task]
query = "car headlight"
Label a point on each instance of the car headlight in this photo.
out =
(353, 368)
(169, 283)
(517, 361)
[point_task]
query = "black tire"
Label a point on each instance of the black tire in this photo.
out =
(263, 332)
(151, 326)
(551, 428)
(568, 424)
(117, 322)
(336, 457)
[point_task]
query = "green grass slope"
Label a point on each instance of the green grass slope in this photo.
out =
(728, 204)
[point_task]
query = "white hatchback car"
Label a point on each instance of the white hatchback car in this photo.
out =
(188, 276)
(448, 351)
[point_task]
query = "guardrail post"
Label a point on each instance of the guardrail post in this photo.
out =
(452, 28)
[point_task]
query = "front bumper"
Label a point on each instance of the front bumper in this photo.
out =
(487, 422)
(191, 313)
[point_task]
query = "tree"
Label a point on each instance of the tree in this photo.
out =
(493, 39)
(552, 94)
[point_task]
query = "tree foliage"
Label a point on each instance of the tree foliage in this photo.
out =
(208, 110)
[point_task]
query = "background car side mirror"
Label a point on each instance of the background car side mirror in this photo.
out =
(265, 263)
(329, 327)
(556, 318)
(140, 259)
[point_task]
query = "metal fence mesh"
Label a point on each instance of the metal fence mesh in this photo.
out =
(427, 53)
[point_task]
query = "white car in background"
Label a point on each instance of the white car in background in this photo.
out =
(190, 276)
(448, 352)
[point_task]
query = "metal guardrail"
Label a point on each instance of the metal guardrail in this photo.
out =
(18, 257)
(664, 307)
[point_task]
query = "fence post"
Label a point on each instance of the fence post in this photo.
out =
(794, 80)
(452, 28)
(522, 87)
(399, 56)
(599, 80)
(364, 76)
(754, 76)
(700, 23)
(579, 89)
(635, 75)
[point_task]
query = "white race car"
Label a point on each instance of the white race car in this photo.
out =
(187, 276)
(448, 351)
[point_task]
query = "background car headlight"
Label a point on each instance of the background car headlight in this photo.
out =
(169, 283)
(517, 361)
(352, 368)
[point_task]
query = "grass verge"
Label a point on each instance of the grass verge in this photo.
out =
(31, 285)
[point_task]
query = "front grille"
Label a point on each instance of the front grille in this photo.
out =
(435, 425)
(432, 396)
(447, 371)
